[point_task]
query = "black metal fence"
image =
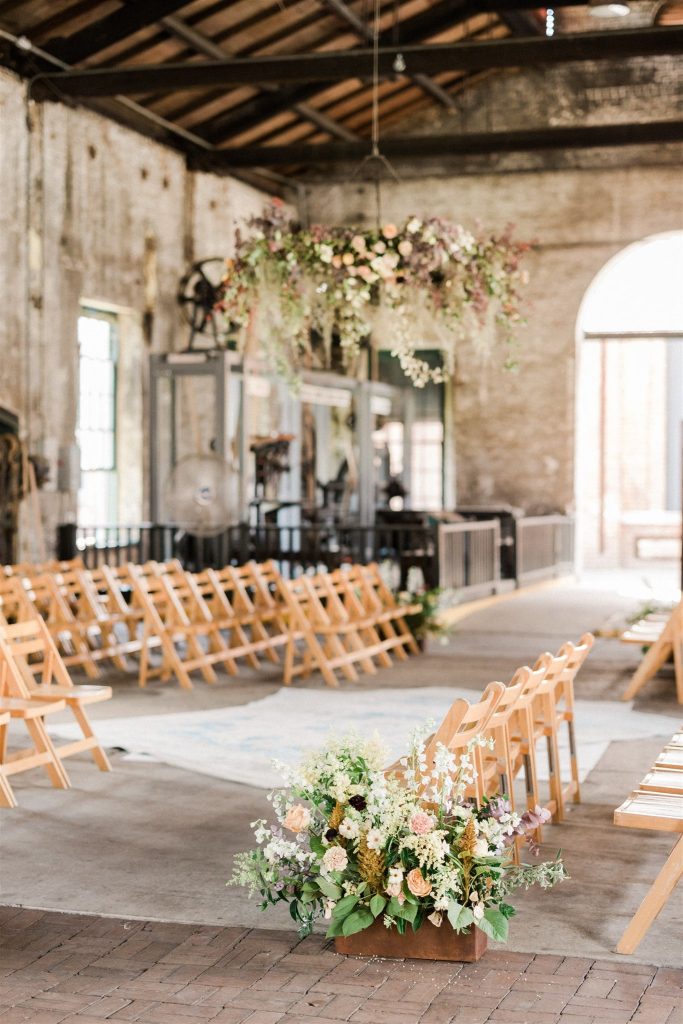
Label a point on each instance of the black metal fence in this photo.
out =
(462, 556)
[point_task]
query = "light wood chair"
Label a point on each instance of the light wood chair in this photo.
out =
(553, 707)
(462, 723)
(7, 797)
(56, 599)
(388, 615)
(24, 641)
(247, 635)
(166, 622)
(511, 728)
(665, 642)
(16, 707)
(663, 812)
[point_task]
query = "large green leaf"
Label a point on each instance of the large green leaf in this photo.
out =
(329, 888)
(460, 917)
(357, 921)
(344, 907)
(334, 929)
(377, 904)
(494, 924)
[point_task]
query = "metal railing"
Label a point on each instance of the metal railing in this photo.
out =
(462, 556)
(469, 556)
(544, 547)
(295, 549)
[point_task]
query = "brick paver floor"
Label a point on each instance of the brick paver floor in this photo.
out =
(67, 967)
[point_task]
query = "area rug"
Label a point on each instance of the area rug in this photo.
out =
(238, 743)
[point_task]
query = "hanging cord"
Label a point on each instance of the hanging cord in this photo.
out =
(375, 155)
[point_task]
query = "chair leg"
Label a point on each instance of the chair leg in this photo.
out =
(7, 798)
(649, 666)
(574, 761)
(656, 897)
(43, 744)
(98, 754)
(555, 779)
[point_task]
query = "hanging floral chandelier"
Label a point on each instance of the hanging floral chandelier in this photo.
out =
(422, 284)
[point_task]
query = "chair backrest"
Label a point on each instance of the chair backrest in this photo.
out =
(20, 642)
(463, 721)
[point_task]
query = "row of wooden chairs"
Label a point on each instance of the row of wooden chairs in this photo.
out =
(657, 804)
(532, 709)
(662, 635)
(336, 622)
(34, 684)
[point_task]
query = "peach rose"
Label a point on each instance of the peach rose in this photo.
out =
(390, 231)
(417, 883)
(335, 859)
(421, 823)
(297, 819)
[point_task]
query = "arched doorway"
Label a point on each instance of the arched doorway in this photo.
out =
(630, 408)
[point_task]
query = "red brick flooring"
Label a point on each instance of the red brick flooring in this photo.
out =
(67, 967)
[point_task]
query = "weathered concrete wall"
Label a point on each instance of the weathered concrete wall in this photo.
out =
(92, 211)
(514, 433)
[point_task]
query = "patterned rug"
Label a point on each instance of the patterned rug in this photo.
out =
(238, 743)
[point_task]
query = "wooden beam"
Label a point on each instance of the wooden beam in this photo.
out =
(425, 146)
(364, 32)
(340, 65)
(101, 34)
(438, 18)
(203, 44)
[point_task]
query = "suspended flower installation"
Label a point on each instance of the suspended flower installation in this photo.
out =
(425, 283)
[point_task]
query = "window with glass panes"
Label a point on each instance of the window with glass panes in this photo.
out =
(96, 430)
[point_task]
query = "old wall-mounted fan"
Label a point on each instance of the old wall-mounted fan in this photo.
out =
(198, 293)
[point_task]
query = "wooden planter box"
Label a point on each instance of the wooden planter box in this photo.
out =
(427, 943)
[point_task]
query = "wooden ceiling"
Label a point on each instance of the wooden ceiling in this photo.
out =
(61, 35)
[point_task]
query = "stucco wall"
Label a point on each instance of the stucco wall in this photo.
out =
(92, 211)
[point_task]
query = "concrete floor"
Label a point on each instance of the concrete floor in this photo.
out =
(151, 841)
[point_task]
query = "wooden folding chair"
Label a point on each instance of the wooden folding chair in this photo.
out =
(24, 641)
(244, 608)
(56, 599)
(7, 798)
(662, 812)
(388, 615)
(15, 706)
(554, 706)
(364, 609)
(167, 622)
(664, 643)
(511, 728)
(463, 723)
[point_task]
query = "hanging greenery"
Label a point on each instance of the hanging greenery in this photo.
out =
(426, 283)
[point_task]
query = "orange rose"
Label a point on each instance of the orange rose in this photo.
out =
(297, 819)
(417, 883)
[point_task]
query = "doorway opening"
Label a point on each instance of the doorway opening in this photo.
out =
(630, 409)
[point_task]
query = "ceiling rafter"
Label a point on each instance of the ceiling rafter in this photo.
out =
(334, 66)
(425, 146)
(126, 21)
(202, 44)
(364, 32)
